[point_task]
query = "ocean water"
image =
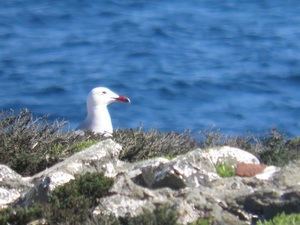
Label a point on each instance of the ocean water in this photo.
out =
(230, 65)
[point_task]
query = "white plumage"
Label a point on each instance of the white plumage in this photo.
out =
(98, 118)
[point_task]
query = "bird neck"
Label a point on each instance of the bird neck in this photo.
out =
(100, 119)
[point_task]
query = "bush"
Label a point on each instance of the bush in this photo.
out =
(282, 219)
(20, 215)
(162, 215)
(139, 145)
(71, 203)
(29, 145)
(278, 149)
(273, 148)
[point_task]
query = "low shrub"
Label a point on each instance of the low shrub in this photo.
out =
(29, 145)
(20, 215)
(138, 144)
(274, 148)
(71, 203)
(162, 215)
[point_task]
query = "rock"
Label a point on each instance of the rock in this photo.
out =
(190, 170)
(249, 169)
(267, 203)
(267, 173)
(12, 185)
(231, 154)
(39, 193)
(101, 157)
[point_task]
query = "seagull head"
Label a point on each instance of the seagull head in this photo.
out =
(102, 96)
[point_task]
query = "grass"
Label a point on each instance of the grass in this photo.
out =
(282, 219)
(71, 203)
(225, 169)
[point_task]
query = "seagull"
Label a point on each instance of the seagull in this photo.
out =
(98, 118)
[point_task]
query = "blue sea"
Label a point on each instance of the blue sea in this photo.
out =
(197, 64)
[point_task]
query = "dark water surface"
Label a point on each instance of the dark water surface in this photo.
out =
(229, 64)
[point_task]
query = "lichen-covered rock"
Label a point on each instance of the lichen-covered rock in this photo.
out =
(101, 157)
(12, 185)
(190, 170)
(234, 155)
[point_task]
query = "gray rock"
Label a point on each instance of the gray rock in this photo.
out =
(101, 157)
(190, 170)
(12, 185)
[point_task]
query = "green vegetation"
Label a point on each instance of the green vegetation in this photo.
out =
(225, 169)
(162, 215)
(202, 221)
(71, 203)
(20, 215)
(282, 219)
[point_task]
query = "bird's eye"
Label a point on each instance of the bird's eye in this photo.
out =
(103, 92)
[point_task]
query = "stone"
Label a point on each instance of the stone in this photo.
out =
(12, 185)
(227, 153)
(100, 157)
(189, 170)
(267, 173)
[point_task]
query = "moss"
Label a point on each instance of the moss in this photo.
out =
(282, 219)
(225, 169)
(71, 203)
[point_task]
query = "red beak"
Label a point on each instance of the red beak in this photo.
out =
(123, 99)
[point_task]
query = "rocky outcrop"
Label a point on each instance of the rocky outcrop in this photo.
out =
(188, 182)
(11, 186)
